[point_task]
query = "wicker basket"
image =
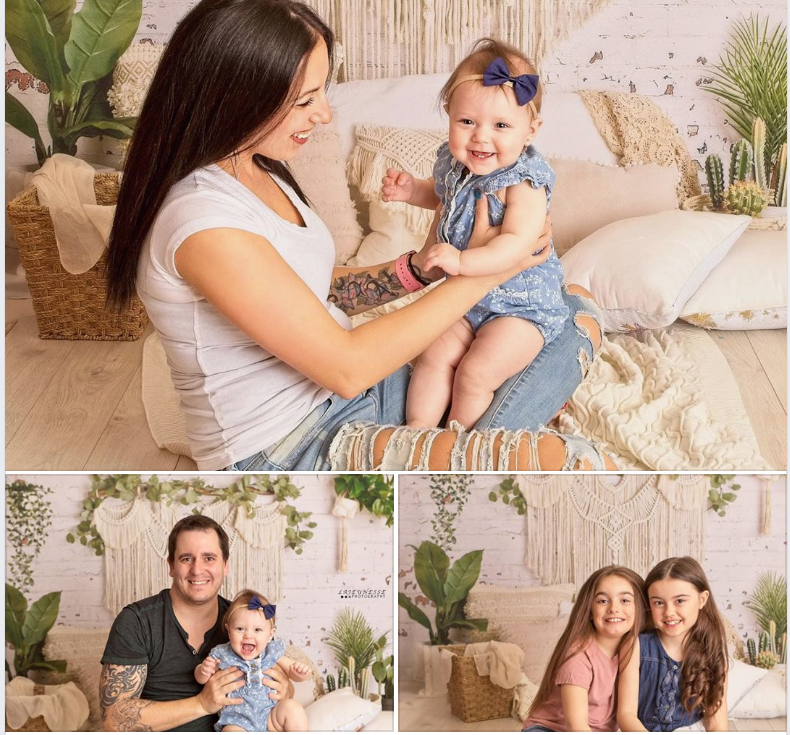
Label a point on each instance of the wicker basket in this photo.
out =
(473, 698)
(34, 724)
(69, 306)
(702, 203)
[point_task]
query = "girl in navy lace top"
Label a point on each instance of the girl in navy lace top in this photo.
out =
(679, 675)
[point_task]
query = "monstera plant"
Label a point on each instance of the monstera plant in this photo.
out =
(26, 629)
(447, 587)
(74, 55)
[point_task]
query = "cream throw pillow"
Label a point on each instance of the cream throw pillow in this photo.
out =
(319, 171)
(748, 289)
(586, 197)
(642, 271)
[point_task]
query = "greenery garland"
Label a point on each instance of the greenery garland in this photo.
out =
(241, 493)
(374, 493)
(722, 492)
(29, 517)
(449, 493)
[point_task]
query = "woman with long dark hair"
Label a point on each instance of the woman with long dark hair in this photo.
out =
(236, 271)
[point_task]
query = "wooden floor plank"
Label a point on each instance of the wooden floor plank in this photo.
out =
(30, 365)
(73, 410)
(771, 348)
(15, 309)
(126, 443)
(766, 414)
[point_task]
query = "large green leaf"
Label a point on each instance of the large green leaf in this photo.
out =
(59, 13)
(33, 43)
(13, 630)
(121, 127)
(101, 31)
(13, 597)
(17, 116)
(462, 576)
(430, 571)
(480, 624)
(414, 612)
(40, 618)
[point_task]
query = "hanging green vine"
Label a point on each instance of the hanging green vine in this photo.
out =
(29, 516)
(241, 493)
(449, 493)
(722, 492)
(375, 493)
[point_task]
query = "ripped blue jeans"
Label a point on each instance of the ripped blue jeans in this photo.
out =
(339, 428)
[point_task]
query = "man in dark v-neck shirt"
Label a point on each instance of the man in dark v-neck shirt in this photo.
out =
(148, 680)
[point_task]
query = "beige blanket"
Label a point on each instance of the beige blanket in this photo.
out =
(500, 661)
(662, 400)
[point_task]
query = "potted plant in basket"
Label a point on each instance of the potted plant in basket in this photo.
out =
(74, 55)
(447, 587)
(26, 629)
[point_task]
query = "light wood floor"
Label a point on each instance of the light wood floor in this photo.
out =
(432, 714)
(77, 405)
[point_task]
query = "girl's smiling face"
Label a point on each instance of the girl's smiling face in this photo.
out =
(249, 632)
(675, 606)
(613, 607)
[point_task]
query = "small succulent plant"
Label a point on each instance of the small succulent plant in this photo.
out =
(330, 683)
(714, 172)
(751, 650)
(746, 197)
(741, 161)
(766, 660)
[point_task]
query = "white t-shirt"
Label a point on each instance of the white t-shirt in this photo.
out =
(237, 398)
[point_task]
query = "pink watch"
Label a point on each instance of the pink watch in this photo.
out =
(404, 274)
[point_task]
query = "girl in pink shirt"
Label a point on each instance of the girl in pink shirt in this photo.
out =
(578, 689)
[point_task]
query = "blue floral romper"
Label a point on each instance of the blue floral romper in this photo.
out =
(534, 294)
(253, 715)
(660, 709)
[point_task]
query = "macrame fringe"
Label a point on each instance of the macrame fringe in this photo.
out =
(390, 38)
(634, 524)
(366, 169)
(766, 507)
(343, 565)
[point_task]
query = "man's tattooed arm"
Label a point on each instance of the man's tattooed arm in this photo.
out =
(119, 693)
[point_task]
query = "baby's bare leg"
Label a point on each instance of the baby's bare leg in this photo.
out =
(288, 716)
(431, 383)
(501, 348)
(233, 728)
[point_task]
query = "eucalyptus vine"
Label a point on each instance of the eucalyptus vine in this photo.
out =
(241, 493)
(449, 493)
(29, 516)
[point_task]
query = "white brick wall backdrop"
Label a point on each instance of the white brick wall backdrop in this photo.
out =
(660, 48)
(735, 552)
(311, 582)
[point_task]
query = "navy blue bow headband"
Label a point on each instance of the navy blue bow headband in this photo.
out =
(525, 86)
(268, 609)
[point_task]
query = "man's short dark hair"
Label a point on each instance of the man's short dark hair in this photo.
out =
(197, 523)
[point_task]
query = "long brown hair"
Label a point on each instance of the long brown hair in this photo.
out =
(579, 630)
(705, 646)
(225, 78)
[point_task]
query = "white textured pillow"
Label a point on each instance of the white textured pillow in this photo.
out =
(643, 270)
(748, 289)
(765, 699)
(320, 172)
(341, 711)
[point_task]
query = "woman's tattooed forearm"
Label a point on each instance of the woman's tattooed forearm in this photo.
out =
(352, 290)
(119, 691)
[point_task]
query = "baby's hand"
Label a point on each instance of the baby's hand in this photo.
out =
(397, 186)
(299, 671)
(445, 256)
(206, 669)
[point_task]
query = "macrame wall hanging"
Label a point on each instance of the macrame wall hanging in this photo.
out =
(345, 508)
(578, 524)
(766, 525)
(391, 38)
(135, 538)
